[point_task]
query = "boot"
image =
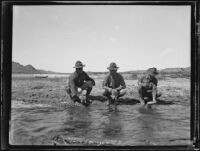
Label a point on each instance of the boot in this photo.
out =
(75, 98)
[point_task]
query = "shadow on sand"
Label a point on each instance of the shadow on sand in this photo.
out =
(128, 100)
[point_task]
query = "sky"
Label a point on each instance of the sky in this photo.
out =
(135, 37)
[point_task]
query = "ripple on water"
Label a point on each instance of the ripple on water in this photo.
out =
(129, 124)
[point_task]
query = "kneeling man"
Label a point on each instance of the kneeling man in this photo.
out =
(113, 84)
(80, 82)
(148, 87)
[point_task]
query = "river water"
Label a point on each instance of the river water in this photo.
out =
(98, 124)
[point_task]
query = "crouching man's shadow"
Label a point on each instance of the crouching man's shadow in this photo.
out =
(113, 126)
(124, 100)
(128, 100)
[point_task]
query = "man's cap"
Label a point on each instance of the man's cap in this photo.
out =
(152, 70)
(112, 66)
(79, 64)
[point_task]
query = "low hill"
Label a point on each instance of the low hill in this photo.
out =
(173, 72)
(28, 69)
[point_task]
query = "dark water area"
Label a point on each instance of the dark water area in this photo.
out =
(97, 124)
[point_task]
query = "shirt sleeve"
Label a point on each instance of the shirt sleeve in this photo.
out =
(122, 82)
(87, 78)
(156, 82)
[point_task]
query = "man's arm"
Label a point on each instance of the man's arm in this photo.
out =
(87, 78)
(122, 84)
(105, 84)
(154, 82)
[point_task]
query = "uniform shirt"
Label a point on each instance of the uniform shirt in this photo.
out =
(114, 81)
(77, 80)
(147, 79)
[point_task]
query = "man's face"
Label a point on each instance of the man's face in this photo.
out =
(79, 70)
(113, 71)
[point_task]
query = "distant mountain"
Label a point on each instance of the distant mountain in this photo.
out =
(166, 70)
(29, 69)
(170, 70)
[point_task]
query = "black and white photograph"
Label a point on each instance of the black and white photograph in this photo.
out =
(101, 75)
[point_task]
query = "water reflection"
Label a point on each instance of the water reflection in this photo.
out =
(149, 124)
(113, 127)
(78, 121)
(128, 124)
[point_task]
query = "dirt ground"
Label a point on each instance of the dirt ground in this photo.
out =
(52, 90)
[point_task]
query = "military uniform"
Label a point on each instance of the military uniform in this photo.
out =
(82, 81)
(148, 85)
(113, 84)
(113, 81)
(79, 79)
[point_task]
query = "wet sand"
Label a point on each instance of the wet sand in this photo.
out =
(42, 114)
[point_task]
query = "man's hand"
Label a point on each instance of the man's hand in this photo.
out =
(79, 90)
(82, 97)
(109, 90)
(115, 93)
(142, 102)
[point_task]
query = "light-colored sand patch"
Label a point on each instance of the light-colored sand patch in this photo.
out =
(21, 104)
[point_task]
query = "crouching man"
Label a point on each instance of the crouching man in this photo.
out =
(147, 87)
(113, 84)
(80, 83)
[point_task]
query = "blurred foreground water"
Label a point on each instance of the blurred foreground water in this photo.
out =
(39, 117)
(97, 124)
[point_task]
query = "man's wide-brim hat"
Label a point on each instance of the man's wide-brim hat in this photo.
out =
(79, 64)
(152, 71)
(112, 66)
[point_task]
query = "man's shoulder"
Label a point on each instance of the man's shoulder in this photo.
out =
(154, 78)
(150, 77)
(144, 76)
(119, 75)
(107, 76)
(84, 73)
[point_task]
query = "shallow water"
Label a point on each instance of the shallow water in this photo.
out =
(44, 124)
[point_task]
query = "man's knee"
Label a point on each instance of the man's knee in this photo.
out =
(158, 94)
(141, 90)
(122, 92)
(144, 91)
(106, 92)
(87, 85)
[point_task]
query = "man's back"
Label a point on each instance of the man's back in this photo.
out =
(147, 79)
